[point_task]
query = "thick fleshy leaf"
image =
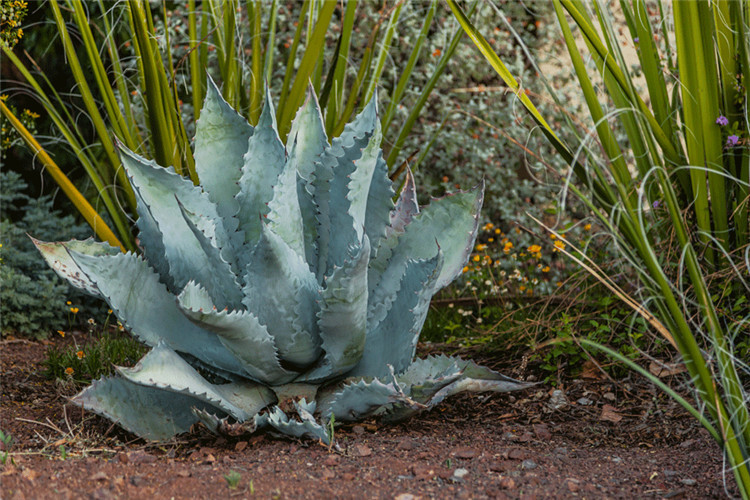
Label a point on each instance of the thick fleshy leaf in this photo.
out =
(162, 368)
(156, 398)
(57, 256)
(148, 412)
(219, 279)
(221, 136)
(393, 328)
(263, 163)
(406, 206)
(306, 426)
(429, 381)
(240, 332)
(336, 231)
(361, 178)
(135, 294)
(379, 206)
(343, 317)
(284, 215)
(449, 223)
(307, 136)
(360, 399)
(159, 189)
(282, 292)
(306, 142)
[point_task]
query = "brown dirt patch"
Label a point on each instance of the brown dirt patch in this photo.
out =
(623, 440)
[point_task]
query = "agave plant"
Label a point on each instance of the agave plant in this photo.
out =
(288, 282)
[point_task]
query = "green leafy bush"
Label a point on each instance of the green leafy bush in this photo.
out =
(32, 298)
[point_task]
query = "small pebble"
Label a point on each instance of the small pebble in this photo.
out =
(529, 464)
(460, 473)
(557, 400)
(584, 401)
(688, 482)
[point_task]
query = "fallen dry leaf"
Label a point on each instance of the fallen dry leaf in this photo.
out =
(361, 450)
(591, 371)
(609, 413)
(29, 474)
(662, 370)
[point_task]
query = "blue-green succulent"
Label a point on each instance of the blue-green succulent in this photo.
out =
(287, 283)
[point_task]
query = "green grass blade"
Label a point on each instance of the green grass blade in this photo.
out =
(271, 43)
(385, 47)
(332, 96)
(289, 73)
(86, 95)
(257, 84)
(309, 60)
(194, 59)
(100, 227)
(409, 68)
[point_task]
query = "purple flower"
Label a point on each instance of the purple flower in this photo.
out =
(656, 204)
(636, 40)
(732, 141)
(722, 120)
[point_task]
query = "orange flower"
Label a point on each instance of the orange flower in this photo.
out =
(62, 333)
(559, 245)
(437, 53)
(81, 354)
(69, 371)
(587, 227)
(74, 310)
(534, 249)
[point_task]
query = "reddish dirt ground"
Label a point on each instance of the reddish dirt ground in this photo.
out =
(611, 440)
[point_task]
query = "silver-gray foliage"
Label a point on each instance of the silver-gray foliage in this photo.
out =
(289, 278)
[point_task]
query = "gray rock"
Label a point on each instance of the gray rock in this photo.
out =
(529, 464)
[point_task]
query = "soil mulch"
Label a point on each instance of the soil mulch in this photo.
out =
(592, 438)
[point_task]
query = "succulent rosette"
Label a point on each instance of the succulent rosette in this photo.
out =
(286, 289)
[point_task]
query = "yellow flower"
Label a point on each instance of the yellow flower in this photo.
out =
(62, 333)
(559, 283)
(69, 371)
(587, 227)
(552, 236)
(81, 354)
(481, 247)
(466, 269)
(559, 245)
(491, 240)
(534, 249)
(497, 231)
(476, 258)
(522, 288)
(109, 311)
(74, 310)
(545, 269)
(68, 302)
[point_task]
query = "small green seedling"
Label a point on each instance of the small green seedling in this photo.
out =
(233, 480)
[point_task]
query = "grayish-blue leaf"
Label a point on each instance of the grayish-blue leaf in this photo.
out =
(57, 256)
(146, 308)
(282, 292)
(241, 333)
(343, 317)
(221, 136)
(263, 163)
